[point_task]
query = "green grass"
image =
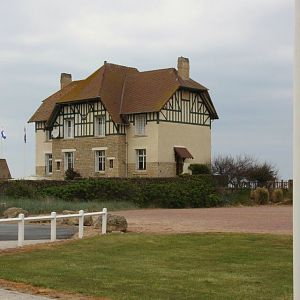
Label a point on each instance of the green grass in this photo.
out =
(148, 266)
(46, 205)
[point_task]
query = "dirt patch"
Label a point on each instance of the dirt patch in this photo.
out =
(256, 219)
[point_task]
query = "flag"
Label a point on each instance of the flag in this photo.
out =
(25, 138)
(3, 135)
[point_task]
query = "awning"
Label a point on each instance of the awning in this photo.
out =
(183, 152)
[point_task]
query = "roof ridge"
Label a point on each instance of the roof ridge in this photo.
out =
(156, 70)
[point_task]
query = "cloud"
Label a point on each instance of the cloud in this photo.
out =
(241, 50)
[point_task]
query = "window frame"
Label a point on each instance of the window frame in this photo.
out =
(100, 126)
(140, 122)
(66, 160)
(100, 161)
(49, 163)
(141, 159)
(69, 129)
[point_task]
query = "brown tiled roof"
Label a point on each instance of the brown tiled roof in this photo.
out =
(122, 90)
(183, 152)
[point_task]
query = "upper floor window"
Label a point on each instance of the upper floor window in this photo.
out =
(141, 159)
(48, 158)
(48, 135)
(69, 128)
(140, 124)
(100, 126)
(69, 161)
(100, 161)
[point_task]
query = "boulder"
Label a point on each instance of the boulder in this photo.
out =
(114, 223)
(14, 212)
(88, 220)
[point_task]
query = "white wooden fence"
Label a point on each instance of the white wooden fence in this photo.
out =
(53, 217)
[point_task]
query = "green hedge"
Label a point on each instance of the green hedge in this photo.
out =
(179, 192)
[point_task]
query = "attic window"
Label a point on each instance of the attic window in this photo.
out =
(140, 124)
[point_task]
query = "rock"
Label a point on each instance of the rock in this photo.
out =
(88, 220)
(14, 212)
(114, 223)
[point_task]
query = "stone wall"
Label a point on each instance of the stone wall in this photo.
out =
(153, 170)
(84, 156)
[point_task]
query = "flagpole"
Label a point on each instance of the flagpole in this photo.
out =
(24, 141)
(296, 156)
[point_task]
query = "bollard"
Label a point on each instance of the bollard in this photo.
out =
(81, 222)
(21, 230)
(104, 220)
(53, 226)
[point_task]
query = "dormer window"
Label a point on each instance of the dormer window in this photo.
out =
(100, 126)
(69, 128)
(140, 124)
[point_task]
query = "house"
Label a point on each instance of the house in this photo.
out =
(119, 122)
(4, 170)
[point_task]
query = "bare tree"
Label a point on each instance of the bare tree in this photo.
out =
(243, 168)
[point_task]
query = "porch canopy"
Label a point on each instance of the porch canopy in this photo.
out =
(182, 152)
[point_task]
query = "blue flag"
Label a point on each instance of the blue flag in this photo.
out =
(3, 135)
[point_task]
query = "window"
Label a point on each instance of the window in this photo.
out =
(140, 123)
(69, 160)
(69, 128)
(48, 164)
(111, 163)
(48, 135)
(141, 159)
(100, 161)
(100, 126)
(58, 166)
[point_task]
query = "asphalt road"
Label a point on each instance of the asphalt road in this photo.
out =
(9, 232)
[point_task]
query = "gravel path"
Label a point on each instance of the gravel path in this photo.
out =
(11, 295)
(256, 219)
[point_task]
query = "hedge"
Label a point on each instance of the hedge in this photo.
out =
(178, 192)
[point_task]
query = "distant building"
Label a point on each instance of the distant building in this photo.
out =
(4, 170)
(120, 122)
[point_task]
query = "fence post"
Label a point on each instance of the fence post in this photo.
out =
(104, 220)
(53, 226)
(21, 230)
(81, 222)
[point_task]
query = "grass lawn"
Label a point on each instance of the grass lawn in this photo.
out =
(153, 266)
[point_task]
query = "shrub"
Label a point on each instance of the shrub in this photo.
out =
(20, 189)
(71, 174)
(261, 195)
(198, 169)
(277, 195)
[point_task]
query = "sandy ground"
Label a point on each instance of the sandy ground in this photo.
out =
(256, 219)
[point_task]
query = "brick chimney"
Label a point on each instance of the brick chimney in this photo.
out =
(65, 79)
(183, 66)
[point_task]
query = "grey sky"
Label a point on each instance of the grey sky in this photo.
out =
(241, 50)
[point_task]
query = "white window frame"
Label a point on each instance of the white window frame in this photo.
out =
(49, 163)
(140, 124)
(100, 160)
(69, 128)
(141, 159)
(68, 158)
(100, 126)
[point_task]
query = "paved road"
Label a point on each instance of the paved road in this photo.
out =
(9, 232)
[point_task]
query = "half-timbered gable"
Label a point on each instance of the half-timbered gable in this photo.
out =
(84, 116)
(122, 122)
(186, 107)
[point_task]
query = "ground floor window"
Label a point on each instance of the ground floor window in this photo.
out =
(48, 164)
(100, 161)
(141, 159)
(69, 161)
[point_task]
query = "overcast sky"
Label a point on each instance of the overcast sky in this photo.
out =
(241, 50)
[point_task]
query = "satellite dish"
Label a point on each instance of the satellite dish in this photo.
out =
(55, 132)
